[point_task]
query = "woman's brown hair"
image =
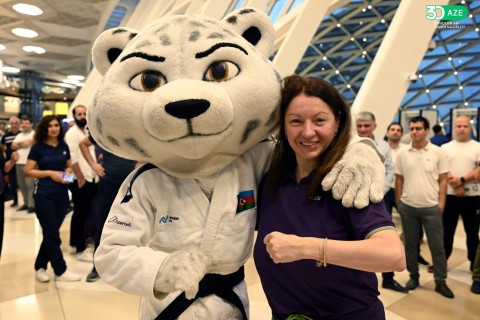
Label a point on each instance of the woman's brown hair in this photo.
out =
(283, 158)
(41, 131)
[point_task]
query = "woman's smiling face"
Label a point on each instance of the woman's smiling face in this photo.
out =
(310, 127)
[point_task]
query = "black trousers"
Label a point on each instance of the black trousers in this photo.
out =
(469, 209)
(51, 211)
(106, 193)
(82, 202)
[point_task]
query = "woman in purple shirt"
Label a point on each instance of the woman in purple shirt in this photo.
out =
(317, 259)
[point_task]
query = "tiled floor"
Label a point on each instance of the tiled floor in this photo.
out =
(21, 297)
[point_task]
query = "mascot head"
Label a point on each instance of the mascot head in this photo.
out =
(188, 94)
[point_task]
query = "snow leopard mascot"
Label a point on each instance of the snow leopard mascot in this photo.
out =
(195, 99)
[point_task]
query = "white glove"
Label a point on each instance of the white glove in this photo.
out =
(182, 271)
(358, 177)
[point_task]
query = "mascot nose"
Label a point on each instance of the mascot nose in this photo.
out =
(187, 109)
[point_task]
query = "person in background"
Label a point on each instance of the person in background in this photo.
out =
(420, 192)
(49, 163)
(439, 138)
(112, 171)
(463, 193)
(475, 288)
(5, 167)
(83, 188)
(365, 124)
(21, 145)
(3, 128)
(6, 144)
(394, 136)
(308, 244)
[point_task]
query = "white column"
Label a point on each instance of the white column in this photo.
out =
(300, 34)
(399, 56)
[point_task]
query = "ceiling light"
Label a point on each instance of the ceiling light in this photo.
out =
(364, 39)
(324, 58)
(26, 33)
(337, 71)
(434, 106)
(364, 52)
(466, 103)
(420, 75)
(70, 81)
(349, 85)
(382, 21)
(2, 47)
(81, 84)
(338, 25)
(37, 50)
(10, 70)
(29, 9)
(460, 87)
(455, 72)
(427, 90)
(352, 39)
(75, 77)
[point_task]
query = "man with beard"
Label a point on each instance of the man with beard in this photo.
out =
(83, 187)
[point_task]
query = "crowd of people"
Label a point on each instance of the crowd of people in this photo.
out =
(430, 186)
(54, 174)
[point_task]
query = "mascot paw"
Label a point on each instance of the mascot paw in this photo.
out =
(182, 271)
(357, 178)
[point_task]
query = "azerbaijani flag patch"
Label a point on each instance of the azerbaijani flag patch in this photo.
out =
(246, 200)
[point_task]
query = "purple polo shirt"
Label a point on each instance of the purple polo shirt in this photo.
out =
(301, 286)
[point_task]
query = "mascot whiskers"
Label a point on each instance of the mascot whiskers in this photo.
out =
(195, 99)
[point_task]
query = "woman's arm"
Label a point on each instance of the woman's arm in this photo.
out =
(382, 252)
(31, 171)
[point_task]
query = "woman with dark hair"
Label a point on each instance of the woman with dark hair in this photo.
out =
(49, 163)
(299, 223)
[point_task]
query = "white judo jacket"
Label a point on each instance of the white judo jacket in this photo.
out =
(166, 214)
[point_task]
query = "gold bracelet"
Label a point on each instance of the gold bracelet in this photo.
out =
(325, 252)
(322, 251)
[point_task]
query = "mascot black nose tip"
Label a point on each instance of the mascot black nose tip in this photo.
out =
(187, 109)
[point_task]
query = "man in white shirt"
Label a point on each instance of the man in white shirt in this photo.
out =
(463, 193)
(83, 187)
(420, 192)
(394, 139)
(21, 145)
(365, 124)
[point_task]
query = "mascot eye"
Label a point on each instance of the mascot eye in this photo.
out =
(221, 71)
(147, 81)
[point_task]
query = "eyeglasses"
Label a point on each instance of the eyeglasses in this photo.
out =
(416, 128)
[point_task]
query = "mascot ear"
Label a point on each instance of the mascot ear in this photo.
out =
(109, 45)
(255, 26)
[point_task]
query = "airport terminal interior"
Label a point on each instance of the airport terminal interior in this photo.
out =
(389, 57)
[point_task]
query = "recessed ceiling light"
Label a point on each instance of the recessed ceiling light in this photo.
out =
(75, 77)
(70, 81)
(10, 70)
(2, 47)
(26, 33)
(29, 9)
(37, 50)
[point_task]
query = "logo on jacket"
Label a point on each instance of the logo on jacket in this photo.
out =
(246, 200)
(167, 218)
(123, 222)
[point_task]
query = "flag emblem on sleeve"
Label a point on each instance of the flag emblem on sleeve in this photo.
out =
(246, 200)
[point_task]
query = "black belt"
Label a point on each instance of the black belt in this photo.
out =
(221, 285)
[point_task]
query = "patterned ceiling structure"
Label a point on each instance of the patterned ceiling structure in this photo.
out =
(448, 78)
(341, 51)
